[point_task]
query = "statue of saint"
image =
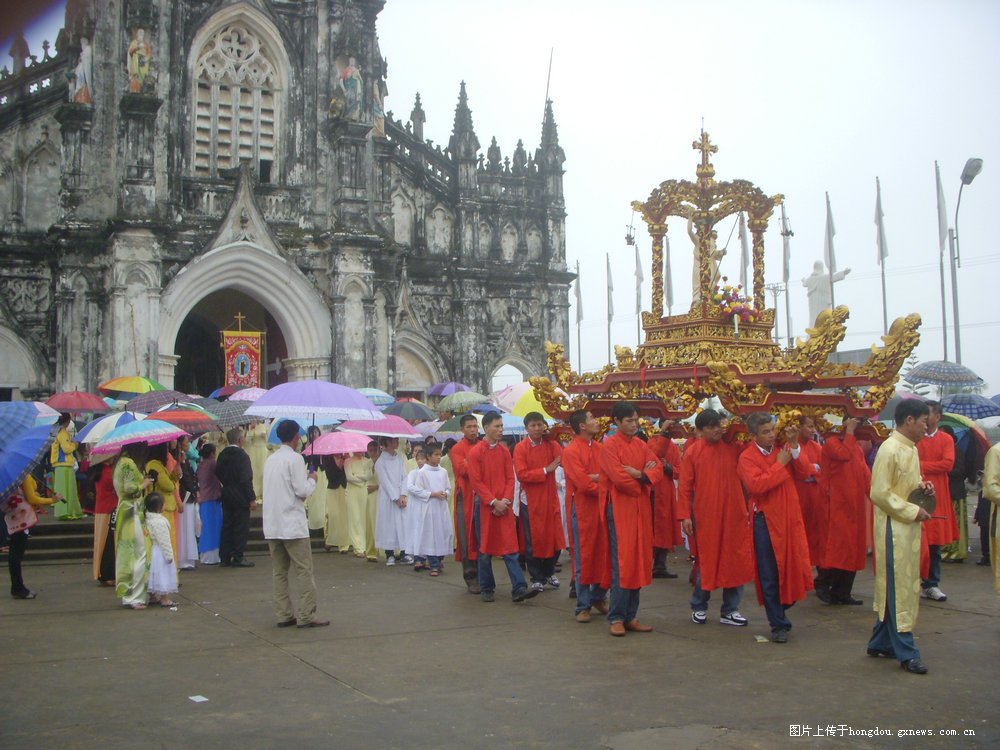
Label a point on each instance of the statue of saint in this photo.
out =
(714, 256)
(818, 285)
(81, 88)
(140, 54)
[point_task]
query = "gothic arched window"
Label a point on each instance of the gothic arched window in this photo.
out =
(237, 103)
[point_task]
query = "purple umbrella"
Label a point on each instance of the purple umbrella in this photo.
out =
(446, 389)
(314, 400)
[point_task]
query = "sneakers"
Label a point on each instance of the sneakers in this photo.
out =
(699, 617)
(487, 596)
(537, 588)
(526, 593)
(552, 581)
(734, 618)
(779, 636)
(933, 593)
(407, 559)
(390, 561)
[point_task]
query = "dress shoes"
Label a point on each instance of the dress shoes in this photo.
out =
(983, 561)
(851, 600)
(473, 587)
(617, 629)
(915, 666)
(527, 593)
(583, 615)
(241, 564)
(313, 624)
(487, 596)
(779, 636)
(287, 623)
(877, 652)
(663, 574)
(823, 594)
(600, 607)
(25, 595)
(637, 627)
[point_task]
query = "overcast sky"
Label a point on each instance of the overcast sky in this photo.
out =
(802, 97)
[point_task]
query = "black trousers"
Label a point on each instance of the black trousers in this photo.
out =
(16, 544)
(838, 582)
(540, 569)
(235, 531)
(107, 567)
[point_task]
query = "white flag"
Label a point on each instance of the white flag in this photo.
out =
(942, 212)
(668, 278)
(579, 297)
(611, 289)
(744, 252)
(828, 255)
(638, 283)
(883, 248)
(786, 247)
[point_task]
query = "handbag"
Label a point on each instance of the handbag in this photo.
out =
(18, 514)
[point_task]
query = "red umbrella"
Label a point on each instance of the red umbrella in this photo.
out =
(189, 420)
(77, 402)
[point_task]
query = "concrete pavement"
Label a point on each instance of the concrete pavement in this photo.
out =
(411, 661)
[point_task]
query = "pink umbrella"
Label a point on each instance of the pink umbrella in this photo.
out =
(338, 442)
(248, 394)
(446, 389)
(389, 426)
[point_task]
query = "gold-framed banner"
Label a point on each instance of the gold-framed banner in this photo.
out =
(242, 351)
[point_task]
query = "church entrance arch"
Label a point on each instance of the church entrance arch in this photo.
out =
(511, 371)
(19, 367)
(287, 304)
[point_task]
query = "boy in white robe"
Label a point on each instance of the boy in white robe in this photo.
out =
(431, 529)
(390, 519)
(413, 514)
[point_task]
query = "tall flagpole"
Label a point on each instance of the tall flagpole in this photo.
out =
(579, 320)
(786, 249)
(611, 306)
(831, 258)
(638, 297)
(883, 251)
(942, 239)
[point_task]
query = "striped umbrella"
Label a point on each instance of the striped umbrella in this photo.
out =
(100, 427)
(192, 421)
(129, 386)
(151, 431)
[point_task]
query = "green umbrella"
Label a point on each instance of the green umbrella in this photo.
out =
(461, 400)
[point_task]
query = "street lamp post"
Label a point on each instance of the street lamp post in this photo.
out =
(972, 168)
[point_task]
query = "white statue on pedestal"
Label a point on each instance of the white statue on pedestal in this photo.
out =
(818, 285)
(714, 256)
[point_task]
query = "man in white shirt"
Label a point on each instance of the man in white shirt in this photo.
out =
(286, 487)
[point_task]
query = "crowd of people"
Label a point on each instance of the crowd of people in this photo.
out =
(785, 510)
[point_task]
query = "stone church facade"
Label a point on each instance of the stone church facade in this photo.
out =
(171, 152)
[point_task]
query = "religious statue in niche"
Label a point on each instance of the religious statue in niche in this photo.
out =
(139, 62)
(349, 89)
(378, 109)
(81, 79)
(819, 288)
(714, 256)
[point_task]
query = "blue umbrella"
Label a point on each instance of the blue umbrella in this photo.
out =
(485, 408)
(17, 417)
(514, 425)
(995, 399)
(20, 456)
(272, 434)
(970, 405)
(377, 396)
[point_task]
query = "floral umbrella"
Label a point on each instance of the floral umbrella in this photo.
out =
(248, 394)
(390, 426)
(338, 442)
(151, 431)
(77, 402)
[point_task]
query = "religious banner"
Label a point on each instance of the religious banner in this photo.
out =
(242, 356)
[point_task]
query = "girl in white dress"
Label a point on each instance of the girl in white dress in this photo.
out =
(162, 573)
(431, 532)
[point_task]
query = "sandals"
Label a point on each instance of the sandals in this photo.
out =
(168, 603)
(137, 605)
(435, 573)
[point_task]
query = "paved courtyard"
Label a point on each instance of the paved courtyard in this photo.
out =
(413, 662)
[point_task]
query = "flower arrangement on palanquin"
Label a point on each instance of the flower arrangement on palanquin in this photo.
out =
(731, 301)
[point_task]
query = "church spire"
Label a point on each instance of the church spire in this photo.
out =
(549, 156)
(550, 135)
(418, 118)
(463, 144)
